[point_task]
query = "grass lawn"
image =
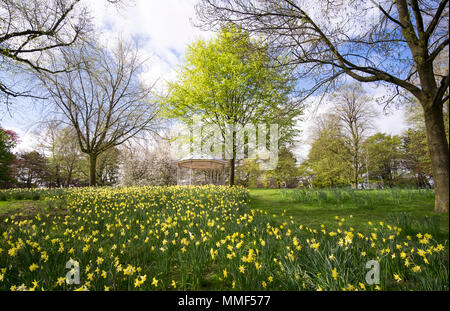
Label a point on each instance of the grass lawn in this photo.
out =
(16, 206)
(275, 202)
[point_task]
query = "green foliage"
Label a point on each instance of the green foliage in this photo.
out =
(384, 152)
(416, 156)
(29, 194)
(359, 207)
(8, 139)
(231, 79)
(285, 174)
(415, 117)
(413, 225)
(358, 198)
(249, 173)
(329, 159)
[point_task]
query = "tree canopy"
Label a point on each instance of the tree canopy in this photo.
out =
(231, 81)
(102, 98)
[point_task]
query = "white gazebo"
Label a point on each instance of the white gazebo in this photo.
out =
(200, 169)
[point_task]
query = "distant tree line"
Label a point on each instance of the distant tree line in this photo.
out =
(57, 162)
(383, 160)
(346, 150)
(50, 52)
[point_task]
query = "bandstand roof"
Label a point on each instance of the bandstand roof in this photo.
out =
(201, 161)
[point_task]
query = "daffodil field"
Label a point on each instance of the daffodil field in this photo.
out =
(204, 238)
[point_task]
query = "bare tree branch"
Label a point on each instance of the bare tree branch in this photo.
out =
(102, 98)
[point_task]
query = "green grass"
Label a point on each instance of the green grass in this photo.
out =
(34, 194)
(384, 205)
(15, 206)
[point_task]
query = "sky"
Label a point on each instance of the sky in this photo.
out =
(164, 29)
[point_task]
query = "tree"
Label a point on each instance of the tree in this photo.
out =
(414, 143)
(65, 160)
(395, 43)
(305, 175)
(249, 173)
(154, 167)
(329, 159)
(67, 157)
(384, 157)
(29, 29)
(32, 169)
(108, 167)
(415, 120)
(416, 157)
(102, 99)
(228, 82)
(8, 139)
(354, 110)
(286, 173)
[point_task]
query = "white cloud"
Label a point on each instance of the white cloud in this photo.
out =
(26, 141)
(163, 26)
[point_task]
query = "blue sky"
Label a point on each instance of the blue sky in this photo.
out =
(164, 29)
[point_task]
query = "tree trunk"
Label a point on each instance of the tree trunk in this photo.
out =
(438, 149)
(29, 181)
(69, 178)
(355, 143)
(92, 169)
(233, 159)
(232, 164)
(58, 176)
(355, 170)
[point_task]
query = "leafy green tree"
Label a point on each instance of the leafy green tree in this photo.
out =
(415, 119)
(305, 175)
(8, 139)
(384, 157)
(232, 80)
(329, 158)
(414, 143)
(416, 157)
(354, 109)
(248, 173)
(32, 169)
(286, 172)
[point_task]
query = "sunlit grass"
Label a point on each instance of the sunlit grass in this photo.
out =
(393, 205)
